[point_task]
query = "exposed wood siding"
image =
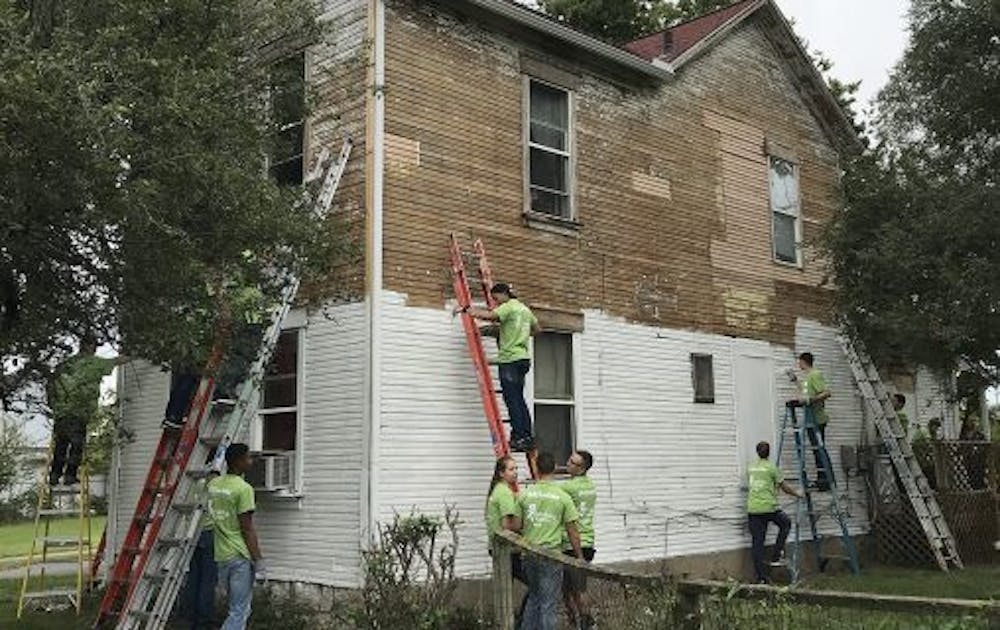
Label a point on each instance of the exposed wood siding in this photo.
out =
(671, 184)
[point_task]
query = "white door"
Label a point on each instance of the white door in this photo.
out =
(753, 377)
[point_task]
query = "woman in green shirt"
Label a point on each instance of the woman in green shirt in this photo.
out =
(502, 511)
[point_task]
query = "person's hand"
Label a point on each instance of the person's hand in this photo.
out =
(260, 570)
(800, 493)
(459, 309)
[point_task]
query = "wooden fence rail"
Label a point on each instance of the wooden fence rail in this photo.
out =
(687, 615)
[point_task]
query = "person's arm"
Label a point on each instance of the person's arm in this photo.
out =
(250, 536)
(535, 328)
(823, 395)
(574, 539)
(788, 488)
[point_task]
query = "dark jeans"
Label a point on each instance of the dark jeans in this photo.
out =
(198, 599)
(182, 388)
(824, 468)
(70, 436)
(541, 608)
(512, 377)
(758, 530)
(573, 580)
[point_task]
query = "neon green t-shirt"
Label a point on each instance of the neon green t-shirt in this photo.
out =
(501, 503)
(545, 510)
(228, 497)
(515, 330)
(764, 480)
(813, 385)
(581, 490)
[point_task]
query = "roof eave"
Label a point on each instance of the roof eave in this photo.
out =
(609, 55)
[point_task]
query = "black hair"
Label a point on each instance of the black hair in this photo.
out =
(546, 463)
(763, 450)
(235, 452)
(807, 358)
(501, 287)
(498, 469)
(901, 399)
(588, 459)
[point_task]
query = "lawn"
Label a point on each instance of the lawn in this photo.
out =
(15, 539)
(973, 582)
(64, 619)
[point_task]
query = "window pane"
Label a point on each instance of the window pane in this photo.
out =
(784, 238)
(550, 203)
(287, 144)
(287, 173)
(548, 170)
(703, 378)
(279, 431)
(554, 430)
(288, 111)
(549, 115)
(279, 392)
(784, 185)
(286, 353)
(554, 366)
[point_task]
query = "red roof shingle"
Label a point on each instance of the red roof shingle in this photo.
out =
(674, 41)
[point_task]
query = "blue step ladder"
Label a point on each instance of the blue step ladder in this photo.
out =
(806, 509)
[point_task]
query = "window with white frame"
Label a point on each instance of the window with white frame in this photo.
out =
(549, 150)
(279, 403)
(555, 403)
(288, 112)
(786, 214)
(702, 378)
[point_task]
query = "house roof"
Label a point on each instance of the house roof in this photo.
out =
(671, 43)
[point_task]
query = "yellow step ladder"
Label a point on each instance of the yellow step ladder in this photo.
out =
(57, 502)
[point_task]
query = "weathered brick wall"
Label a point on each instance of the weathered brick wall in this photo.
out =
(671, 183)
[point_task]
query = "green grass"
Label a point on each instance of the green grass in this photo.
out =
(15, 539)
(973, 582)
(64, 619)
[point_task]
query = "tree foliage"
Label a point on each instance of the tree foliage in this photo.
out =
(619, 21)
(916, 252)
(132, 144)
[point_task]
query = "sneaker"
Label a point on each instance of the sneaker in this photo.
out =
(172, 424)
(53, 481)
(524, 445)
(779, 561)
(224, 402)
(70, 481)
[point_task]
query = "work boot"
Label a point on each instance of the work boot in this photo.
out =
(70, 480)
(53, 480)
(779, 560)
(523, 445)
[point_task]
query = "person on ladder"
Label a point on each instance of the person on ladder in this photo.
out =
(517, 325)
(762, 508)
(74, 395)
(814, 395)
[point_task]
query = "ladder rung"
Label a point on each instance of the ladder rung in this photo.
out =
(210, 441)
(55, 541)
(141, 614)
(197, 474)
(63, 592)
(64, 490)
(162, 461)
(185, 508)
(58, 512)
(171, 542)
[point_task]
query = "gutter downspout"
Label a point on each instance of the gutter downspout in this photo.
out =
(374, 168)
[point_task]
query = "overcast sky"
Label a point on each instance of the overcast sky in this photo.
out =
(863, 38)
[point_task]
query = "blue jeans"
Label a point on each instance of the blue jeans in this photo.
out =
(512, 377)
(199, 590)
(236, 576)
(541, 608)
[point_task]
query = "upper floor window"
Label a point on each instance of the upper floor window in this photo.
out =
(288, 111)
(702, 378)
(786, 215)
(549, 150)
(279, 405)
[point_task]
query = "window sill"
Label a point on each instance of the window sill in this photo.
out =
(789, 265)
(548, 223)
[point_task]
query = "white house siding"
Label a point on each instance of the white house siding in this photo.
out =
(933, 400)
(667, 469)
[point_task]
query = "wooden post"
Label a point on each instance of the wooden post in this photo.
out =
(687, 614)
(503, 585)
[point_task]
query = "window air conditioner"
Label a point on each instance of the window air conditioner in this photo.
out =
(272, 472)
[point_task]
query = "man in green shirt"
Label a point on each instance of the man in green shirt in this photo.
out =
(814, 395)
(762, 508)
(74, 395)
(547, 513)
(237, 552)
(580, 489)
(517, 325)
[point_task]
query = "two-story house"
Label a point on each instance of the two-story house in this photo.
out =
(656, 206)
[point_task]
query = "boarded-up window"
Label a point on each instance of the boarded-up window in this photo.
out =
(549, 141)
(279, 405)
(785, 211)
(288, 113)
(554, 394)
(702, 378)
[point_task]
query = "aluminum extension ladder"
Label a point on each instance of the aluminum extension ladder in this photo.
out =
(150, 568)
(806, 508)
(918, 490)
(55, 502)
(464, 285)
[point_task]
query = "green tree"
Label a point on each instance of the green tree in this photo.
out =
(619, 21)
(916, 251)
(132, 139)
